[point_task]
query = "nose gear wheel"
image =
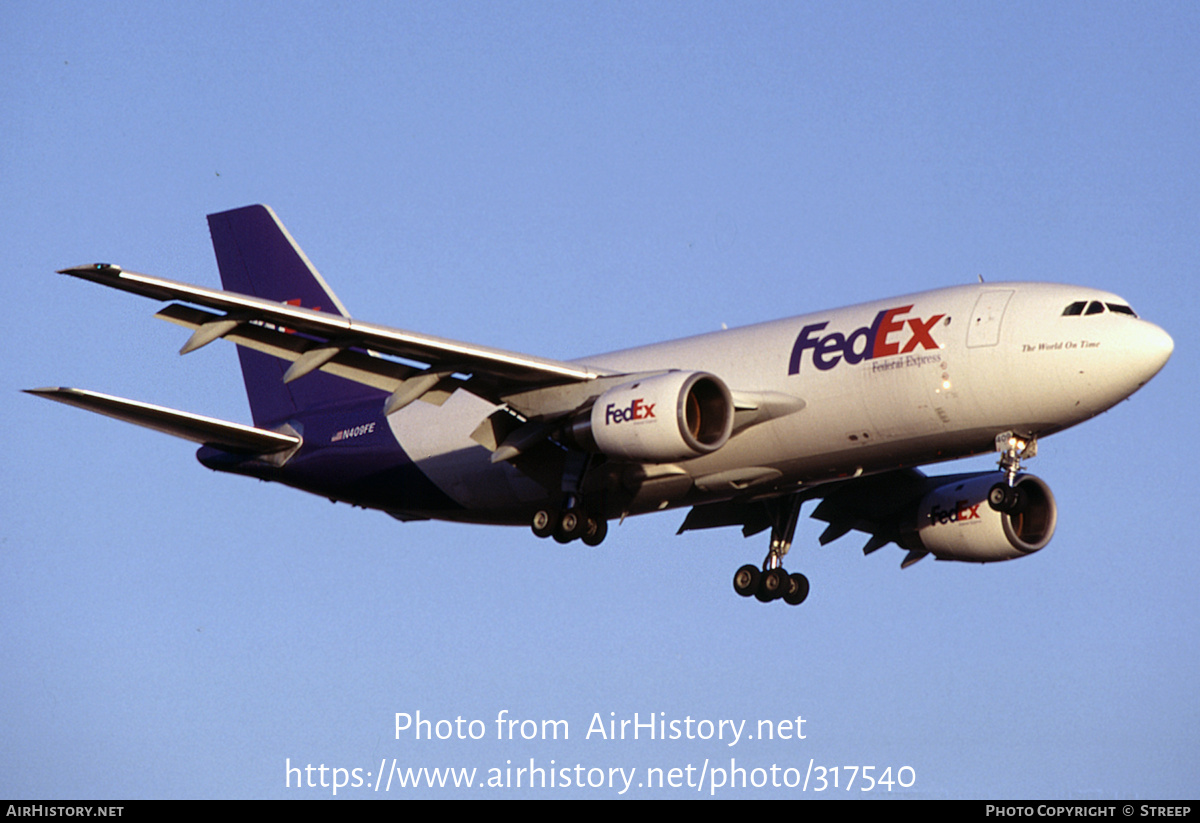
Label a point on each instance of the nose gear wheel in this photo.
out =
(1006, 497)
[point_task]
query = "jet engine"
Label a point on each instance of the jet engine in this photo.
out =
(956, 522)
(672, 416)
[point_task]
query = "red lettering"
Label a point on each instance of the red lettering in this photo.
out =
(887, 326)
(920, 330)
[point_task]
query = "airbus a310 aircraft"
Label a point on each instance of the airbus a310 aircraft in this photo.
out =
(742, 425)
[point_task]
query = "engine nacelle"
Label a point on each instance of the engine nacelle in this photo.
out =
(955, 522)
(672, 416)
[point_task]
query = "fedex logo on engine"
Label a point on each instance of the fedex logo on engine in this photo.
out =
(962, 512)
(638, 410)
(885, 336)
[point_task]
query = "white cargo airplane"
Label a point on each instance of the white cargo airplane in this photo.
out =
(742, 425)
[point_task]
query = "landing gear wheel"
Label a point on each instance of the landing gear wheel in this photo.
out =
(773, 582)
(543, 523)
(1018, 501)
(595, 530)
(1006, 499)
(745, 580)
(772, 585)
(571, 525)
(797, 589)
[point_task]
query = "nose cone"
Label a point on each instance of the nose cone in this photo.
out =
(1121, 358)
(1150, 349)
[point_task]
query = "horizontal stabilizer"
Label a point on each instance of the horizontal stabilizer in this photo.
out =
(207, 430)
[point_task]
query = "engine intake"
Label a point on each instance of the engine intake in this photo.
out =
(660, 419)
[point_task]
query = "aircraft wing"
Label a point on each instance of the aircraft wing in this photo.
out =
(874, 504)
(417, 366)
(314, 339)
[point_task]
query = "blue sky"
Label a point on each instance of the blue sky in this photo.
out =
(565, 179)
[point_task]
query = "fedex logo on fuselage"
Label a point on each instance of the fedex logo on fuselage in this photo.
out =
(638, 410)
(885, 336)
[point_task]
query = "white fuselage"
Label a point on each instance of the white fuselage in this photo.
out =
(899, 382)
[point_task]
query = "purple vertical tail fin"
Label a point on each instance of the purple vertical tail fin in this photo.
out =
(257, 256)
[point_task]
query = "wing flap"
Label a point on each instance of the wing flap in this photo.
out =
(872, 504)
(197, 428)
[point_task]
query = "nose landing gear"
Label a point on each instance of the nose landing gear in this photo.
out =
(1007, 497)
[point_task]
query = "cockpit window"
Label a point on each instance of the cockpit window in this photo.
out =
(1096, 307)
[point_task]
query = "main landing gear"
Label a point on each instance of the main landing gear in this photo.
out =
(773, 582)
(573, 521)
(1007, 497)
(570, 523)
